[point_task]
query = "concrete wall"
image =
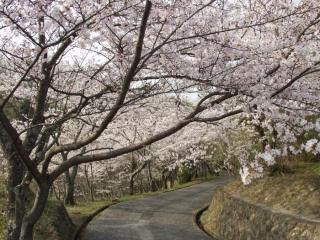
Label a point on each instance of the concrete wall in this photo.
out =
(232, 218)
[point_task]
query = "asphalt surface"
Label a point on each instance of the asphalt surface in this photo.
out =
(168, 216)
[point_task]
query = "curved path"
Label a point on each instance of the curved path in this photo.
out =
(165, 216)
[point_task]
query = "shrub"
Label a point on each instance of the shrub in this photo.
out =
(184, 175)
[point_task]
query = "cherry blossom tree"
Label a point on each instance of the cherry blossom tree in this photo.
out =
(81, 65)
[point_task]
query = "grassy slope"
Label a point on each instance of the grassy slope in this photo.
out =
(297, 192)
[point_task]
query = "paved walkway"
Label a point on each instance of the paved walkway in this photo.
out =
(168, 216)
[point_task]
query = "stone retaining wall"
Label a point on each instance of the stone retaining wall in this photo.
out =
(232, 218)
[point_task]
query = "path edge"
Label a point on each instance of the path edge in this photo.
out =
(89, 218)
(198, 223)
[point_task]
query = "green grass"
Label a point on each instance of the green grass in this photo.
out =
(82, 210)
(308, 168)
(315, 168)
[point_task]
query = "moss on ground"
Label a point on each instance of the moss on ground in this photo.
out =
(312, 168)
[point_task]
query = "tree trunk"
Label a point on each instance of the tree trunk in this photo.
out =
(16, 193)
(134, 172)
(70, 181)
(172, 177)
(133, 168)
(16, 198)
(131, 185)
(171, 181)
(141, 186)
(164, 179)
(69, 198)
(204, 169)
(209, 168)
(92, 191)
(89, 184)
(35, 213)
(57, 194)
(150, 178)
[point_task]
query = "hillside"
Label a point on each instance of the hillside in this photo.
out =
(283, 205)
(297, 193)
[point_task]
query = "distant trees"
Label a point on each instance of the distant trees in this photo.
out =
(81, 67)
